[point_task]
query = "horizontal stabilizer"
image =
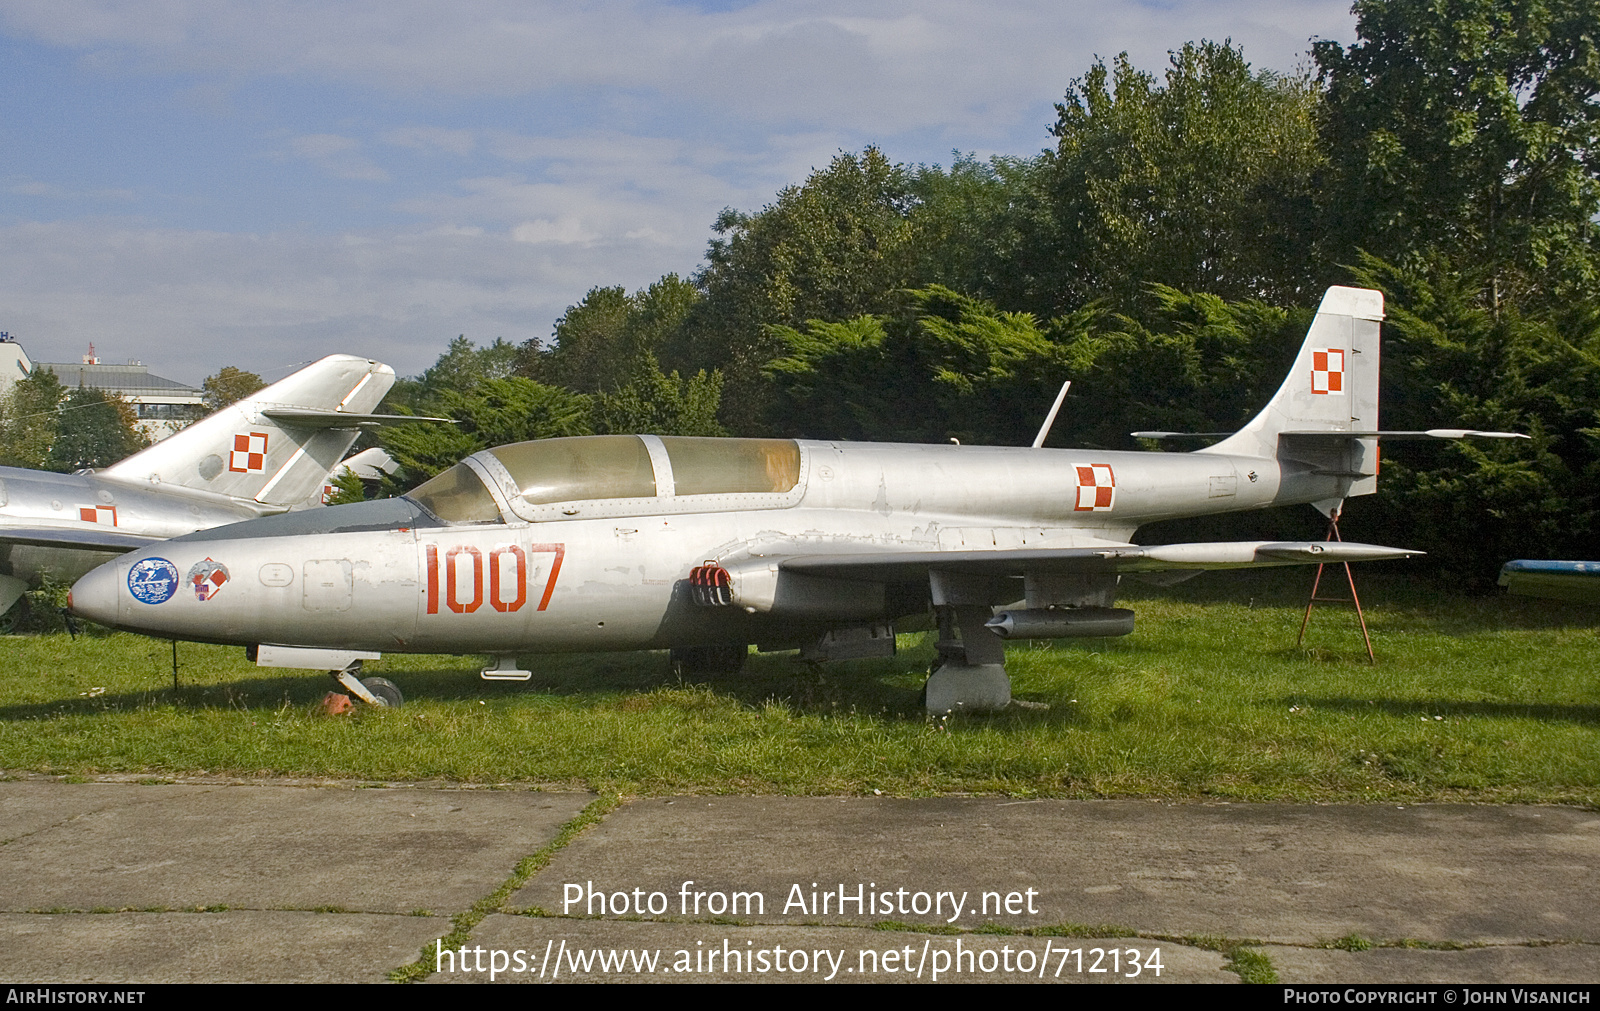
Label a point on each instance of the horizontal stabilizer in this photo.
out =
(911, 566)
(303, 418)
(1432, 433)
(106, 539)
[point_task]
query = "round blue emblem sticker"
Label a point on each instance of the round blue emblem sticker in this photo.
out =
(153, 580)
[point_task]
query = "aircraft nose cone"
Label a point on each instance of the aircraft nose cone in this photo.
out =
(95, 595)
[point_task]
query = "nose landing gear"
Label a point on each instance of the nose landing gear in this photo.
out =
(373, 691)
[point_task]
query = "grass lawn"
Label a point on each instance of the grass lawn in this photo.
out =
(1472, 699)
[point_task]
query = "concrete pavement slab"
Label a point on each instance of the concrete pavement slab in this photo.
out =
(228, 947)
(181, 846)
(1554, 963)
(1299, 874)
(620, 951)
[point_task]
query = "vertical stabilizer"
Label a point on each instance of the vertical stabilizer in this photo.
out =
(241, 452)
(1332, 388)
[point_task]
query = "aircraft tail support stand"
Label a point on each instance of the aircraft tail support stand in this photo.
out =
(1354, 598)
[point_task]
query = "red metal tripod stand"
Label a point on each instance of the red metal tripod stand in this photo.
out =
(1333, 535)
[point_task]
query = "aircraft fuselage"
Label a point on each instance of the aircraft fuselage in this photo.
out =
(604, 576)
(89, 506)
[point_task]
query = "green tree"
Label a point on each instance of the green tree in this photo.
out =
(585, 344)
(657, 404)
(942, 365)
(1203, 182)
(347, 489)
(837, 246)
(1451, 360)
(464, 365)
(230, 385)
(28, 420)
(1193, 362)
(95, 430)
(493, 413)
(656, 321)
(973, 226)
(460, 369)
(1469, 128)
(608, 339)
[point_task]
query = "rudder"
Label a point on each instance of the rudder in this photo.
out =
(1332, 388)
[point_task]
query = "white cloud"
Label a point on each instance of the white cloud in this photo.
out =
(683, 112)
(562, 231)
(432, 139)
(660, 193)
(338, 156)
(893, 66)
(188, 302)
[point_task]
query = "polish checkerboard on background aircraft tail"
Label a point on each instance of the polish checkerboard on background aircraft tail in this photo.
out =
(275, 447)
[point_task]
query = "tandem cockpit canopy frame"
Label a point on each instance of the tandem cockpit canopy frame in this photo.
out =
(616, 475)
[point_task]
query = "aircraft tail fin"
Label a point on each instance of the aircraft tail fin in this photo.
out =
(1331, 390)
(255, 449)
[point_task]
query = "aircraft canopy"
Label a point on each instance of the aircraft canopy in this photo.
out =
(601, 468)
(457, 496)
(574, 470)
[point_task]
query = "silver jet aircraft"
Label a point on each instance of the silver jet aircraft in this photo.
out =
(261, 455)
(705, 546)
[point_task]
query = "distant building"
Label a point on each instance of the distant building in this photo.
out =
(162, 405)
(14, 363)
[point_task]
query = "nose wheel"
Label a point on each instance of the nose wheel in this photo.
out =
(373, 691)
(385, 691)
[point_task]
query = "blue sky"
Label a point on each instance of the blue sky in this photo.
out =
(196, 183)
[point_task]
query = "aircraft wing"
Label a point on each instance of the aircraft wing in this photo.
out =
(908, 566)
(302, 417)
(108, 539)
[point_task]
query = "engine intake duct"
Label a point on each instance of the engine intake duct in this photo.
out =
(1061, 623)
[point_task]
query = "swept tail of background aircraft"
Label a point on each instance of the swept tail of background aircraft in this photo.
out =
(264, 454)
(274, 447)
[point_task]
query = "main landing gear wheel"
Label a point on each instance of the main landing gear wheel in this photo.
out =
(699, 661)
(385, 691)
